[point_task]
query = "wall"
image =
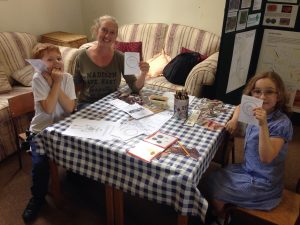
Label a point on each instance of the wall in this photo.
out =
(41, 16)
(206, 14)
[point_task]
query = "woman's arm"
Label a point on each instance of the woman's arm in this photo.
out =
(144, 67)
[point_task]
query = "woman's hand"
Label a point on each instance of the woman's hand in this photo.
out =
(144, 67)
(261, 115)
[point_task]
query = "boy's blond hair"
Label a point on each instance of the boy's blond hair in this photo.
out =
(41, 49)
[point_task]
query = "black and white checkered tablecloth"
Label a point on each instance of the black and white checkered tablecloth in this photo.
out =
(171, 179)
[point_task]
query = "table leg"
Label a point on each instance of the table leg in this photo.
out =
(182, 220)
(55, 183)
(119, 207)
(109, 193)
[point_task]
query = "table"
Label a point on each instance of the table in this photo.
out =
(170, 180)
(64, 39)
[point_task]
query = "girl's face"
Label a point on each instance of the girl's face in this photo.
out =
(107, 32)
(53, 59)
(265, 89)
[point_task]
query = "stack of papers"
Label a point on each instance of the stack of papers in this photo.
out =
(152, 146)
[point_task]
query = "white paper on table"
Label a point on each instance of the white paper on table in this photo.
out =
(37, 64)
(248, 103)
(132, 60)
(128, 130)
(135, 110)
(170, 96)
(94, 129)
(153, 123)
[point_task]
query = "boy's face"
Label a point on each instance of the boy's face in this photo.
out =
(53, 60)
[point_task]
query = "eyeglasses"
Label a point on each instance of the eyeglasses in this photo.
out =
(259, 92)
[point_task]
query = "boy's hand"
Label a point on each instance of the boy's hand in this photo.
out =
(48, 78)
(56, 75)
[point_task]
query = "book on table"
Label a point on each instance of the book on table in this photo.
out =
(152, 146)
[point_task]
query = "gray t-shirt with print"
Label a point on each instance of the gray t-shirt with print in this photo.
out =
(96, 81)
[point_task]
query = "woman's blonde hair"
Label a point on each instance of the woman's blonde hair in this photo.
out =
(282, 97)
(98, 21)
(41, 49)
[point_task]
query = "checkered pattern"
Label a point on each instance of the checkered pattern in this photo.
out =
(172, 179)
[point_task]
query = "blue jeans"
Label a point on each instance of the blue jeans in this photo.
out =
(40, 173)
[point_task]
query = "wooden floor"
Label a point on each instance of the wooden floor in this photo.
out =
(84, 201)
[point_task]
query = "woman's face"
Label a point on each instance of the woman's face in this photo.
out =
(107, 32)
(265, 89)
(53, 59)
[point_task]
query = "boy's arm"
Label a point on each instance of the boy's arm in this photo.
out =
(67, 103)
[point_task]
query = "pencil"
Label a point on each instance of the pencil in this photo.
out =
(183, 148)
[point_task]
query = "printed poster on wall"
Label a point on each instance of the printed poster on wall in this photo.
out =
(280, 15)
(280, 52)
(241, 56)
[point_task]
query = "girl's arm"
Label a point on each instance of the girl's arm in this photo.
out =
(268, 147)
(232, 124)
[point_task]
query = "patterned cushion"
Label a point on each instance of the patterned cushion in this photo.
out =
(15, 47)
(152, 35)
(161, 83)
(24, 75)
(130, 47)
(69, 55)
(4, 83)
(201, 41)
(157, 64)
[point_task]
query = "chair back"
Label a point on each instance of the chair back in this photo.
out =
(21, 104)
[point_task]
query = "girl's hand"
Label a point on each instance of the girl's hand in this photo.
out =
(56, 75)
(48, 78)
(231, 126)
(144, 67)
(261, 115)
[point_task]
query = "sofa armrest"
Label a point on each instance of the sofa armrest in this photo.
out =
(202, 74)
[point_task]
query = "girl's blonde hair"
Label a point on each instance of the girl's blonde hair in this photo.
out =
(41, 49)
(282, 97)
(98, 21)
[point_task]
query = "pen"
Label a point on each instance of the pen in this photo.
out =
(183, 148)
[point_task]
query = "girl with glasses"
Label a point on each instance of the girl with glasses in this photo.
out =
(257, 182)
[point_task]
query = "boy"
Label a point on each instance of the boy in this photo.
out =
(54, 97)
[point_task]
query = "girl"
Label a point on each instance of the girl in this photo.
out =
(257, 183)
(54, 97)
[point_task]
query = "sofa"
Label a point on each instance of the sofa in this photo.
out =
(15, 78)
(162, 42)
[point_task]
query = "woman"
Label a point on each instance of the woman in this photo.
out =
(99, 68)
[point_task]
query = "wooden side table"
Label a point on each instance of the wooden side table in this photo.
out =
(64, 39)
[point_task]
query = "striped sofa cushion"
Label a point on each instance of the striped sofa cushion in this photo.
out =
(152, 36)
(195, 39)
(14, 48)
(69, 55)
